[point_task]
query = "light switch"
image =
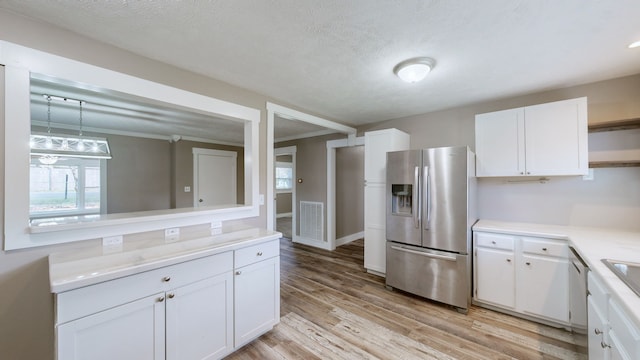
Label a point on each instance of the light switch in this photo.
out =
(187, 189)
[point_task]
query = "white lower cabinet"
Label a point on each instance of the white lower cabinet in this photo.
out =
(192, 310)
(612, 335)
(545, 291)
(494, 269)
(199, 320)
(130, 331)
(257, 304)
(526, 275)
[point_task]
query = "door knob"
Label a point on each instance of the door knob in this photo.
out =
(200, 200)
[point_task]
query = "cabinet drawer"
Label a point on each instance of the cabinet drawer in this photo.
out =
(77, 303)
(545, 247)
(255, 253)
(598, 292)
(494, 241)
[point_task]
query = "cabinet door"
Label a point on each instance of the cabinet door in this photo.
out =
(597, 328)
(495, 277)
(500, 147)
(544, 289)
(134, 330)
(375, 236)
(376, 146)
(256, 299)
(556, 138)
(200, 319)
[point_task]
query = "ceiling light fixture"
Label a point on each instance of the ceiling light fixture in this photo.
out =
(49, 147)
(414, 70)
(634, 44)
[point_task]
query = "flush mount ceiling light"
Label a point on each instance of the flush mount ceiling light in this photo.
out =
(634, 45)
(414, 70)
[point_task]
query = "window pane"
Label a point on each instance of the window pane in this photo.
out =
(53, 188)
(284, 178)
(92, 187)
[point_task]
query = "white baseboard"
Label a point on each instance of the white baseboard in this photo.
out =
(349, 238)
(311, 242)
(284, 215)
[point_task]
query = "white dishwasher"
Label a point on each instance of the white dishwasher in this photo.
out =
(578, 292)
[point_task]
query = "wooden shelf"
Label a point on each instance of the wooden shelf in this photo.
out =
(615, 125)
(611, 164)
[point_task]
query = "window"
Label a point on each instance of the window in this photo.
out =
(70, 186)
(284, 176)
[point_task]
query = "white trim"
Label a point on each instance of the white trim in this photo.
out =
(311, 242)
(305, 135)
(19, 63)
(135, 134)
(349, 238)
(332, 145)
(287, 113)
(283, 215)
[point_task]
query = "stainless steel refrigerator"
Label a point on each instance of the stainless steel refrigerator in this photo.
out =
(430, 210)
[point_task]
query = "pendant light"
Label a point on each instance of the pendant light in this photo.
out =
(52, 146)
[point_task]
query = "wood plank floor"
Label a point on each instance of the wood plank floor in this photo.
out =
(331, 308)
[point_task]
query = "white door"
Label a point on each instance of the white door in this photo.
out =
(214, 177)
(131, 331)
(200, 319)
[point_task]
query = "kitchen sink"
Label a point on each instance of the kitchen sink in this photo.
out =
(628, 272)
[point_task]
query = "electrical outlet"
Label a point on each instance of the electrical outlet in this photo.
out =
(216, 231)
(261, 199)
(216, 224)
(171, 232)
(187, 189)
(112, 240)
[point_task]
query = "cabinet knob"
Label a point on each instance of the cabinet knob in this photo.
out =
(597, 331)
(166, 279)
(259, 253)
(528, 263)
(528, 172)
(171, 295)
(521, 173)
(161, 299)
(508, 260)
(544, 249)
(604, 345)
(238, 272)
(493, 242)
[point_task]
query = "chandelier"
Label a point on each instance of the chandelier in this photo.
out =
(50, 147)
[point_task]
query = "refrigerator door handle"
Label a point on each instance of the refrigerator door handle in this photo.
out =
(427, 197)
(415, 196)
(434, 256)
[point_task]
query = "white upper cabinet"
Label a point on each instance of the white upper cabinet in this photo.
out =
(376, 145)
(540, 140)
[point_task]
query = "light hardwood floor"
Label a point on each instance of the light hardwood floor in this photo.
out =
(332, 309)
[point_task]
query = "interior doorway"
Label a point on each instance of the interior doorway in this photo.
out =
(285, 187)
(316, 209)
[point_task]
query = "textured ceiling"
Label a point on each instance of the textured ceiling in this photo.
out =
(335, 57)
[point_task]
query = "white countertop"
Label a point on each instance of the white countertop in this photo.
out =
(74, 269)
(592, 244)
